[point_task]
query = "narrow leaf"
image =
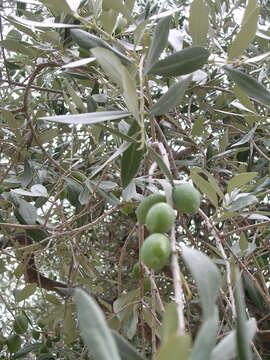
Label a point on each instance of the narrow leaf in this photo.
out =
(226, 348)
(129, 87)
(78, 63)
(182, 62)
(243, 345)
(242, 202)
(26, 213)
(131, 158)
(163, 167)
(158, 43)
(38, 24)
(205, 187)
(126, 351)
(25, 293)
(170, 322)
(110, 63)
(93, 328)
(249, 85)
(117, 153)
(88, 118)
(207, 278)
(198, 22)
(248, 30)
(171, 98)
(206, 338)
(240, 180)
(173, 347)
(89, 41)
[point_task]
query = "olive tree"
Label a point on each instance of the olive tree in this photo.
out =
(124, 121)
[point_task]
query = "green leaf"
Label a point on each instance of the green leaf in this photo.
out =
(117, 153)
(175, 348)
(132, 157)
(243, 98)
(26, 350)
(198, 22)
(70, 331)
(206, 338)
(253, 293)
(247, 32)
(47, 24)
(25, 293)
(249, 85)
(88, 118)
(171, 98)
(119, 7)
(60, 5)
(243, 345)
(75, 97)
(89, 41)
(18, 47)
(182, 62)
(243, 243)
(126, 351)
(198, 126)
(110, 63)
(130, 322)
(37, 190)
(96, 6)
(207, 277)
(242, 202)
(205, 187)
(163, 167)
(170, 322)
(239, 180)
(158, 43)
(94, 330)
(108, 19)
(129, 87)
(78, 63)
(226, 348)
(26, 213)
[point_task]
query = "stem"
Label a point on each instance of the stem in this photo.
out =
(178, 291)
(141, 238)
(218, 239)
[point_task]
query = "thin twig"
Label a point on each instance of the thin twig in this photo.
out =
(122, 256)
(39, 88)
(178, 291)
(218, 239)
(141, 317)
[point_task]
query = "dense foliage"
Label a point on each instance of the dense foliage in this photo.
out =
(103, 103)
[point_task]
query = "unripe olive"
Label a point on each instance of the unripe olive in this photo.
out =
(186, 198)
(160, 218)
(146, 204)
(155, 251)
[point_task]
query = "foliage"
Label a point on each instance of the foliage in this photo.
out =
(104, 103)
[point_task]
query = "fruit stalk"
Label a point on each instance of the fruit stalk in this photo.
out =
(177, 283)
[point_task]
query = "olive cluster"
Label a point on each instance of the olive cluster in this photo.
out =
(159, 217)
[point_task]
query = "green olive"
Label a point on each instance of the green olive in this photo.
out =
(155, 251)
(186, 198)
(160, 218)
(146, 204)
